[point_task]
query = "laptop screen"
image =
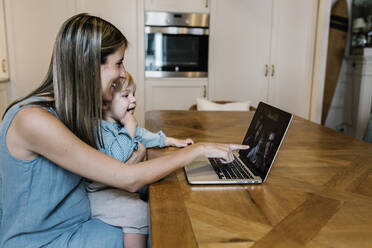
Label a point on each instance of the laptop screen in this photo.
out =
(264, 136)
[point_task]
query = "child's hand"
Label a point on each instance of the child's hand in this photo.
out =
(169, 141)
(129, 120)
(130, 123)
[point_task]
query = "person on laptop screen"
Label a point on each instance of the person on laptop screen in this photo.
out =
(263, 139)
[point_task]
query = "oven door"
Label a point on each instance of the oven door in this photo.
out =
(176, 52)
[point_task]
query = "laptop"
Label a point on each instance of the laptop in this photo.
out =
(265, 135)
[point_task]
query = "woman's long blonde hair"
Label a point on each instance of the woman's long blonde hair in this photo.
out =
(74, 79)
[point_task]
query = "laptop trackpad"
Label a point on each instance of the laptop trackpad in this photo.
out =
(200, 171)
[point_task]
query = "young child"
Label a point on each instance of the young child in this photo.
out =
(121, 136)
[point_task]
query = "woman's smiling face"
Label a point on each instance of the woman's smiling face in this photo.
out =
(111, 71)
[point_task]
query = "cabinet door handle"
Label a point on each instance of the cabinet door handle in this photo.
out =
(204, 91)
(266, 70)
(206, 3)
(272, 70)
(3, 65)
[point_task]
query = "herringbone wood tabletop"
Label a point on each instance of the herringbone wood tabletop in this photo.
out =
(318, 193)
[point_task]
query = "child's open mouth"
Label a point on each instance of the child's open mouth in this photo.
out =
(131, 108)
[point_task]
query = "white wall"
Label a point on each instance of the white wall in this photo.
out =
(31, 32)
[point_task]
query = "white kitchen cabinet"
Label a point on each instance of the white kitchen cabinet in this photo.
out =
(4, 72)
(239, 49)
(4, 101)
(265, 53)
(196, 6)
(174, 93)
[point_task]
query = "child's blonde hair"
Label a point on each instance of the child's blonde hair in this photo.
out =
(128, 83)
(125, 83)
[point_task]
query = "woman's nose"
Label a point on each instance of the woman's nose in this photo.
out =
(122, 71)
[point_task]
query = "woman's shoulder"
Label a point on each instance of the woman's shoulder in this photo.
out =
(34, 114)
(28, 111)
(32, 102)
(26, 125)
(34, 119)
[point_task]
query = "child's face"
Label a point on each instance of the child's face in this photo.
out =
(122, 102)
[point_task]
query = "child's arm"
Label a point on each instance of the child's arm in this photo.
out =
(150, 139)
(170, 141)
(119, 144)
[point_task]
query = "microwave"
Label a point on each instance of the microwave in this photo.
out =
(176, 44)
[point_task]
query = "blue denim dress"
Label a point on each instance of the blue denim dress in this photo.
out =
(44, 205)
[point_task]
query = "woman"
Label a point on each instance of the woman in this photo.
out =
(48, 144)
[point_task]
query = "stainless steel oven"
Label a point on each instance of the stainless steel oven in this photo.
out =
(176, 44)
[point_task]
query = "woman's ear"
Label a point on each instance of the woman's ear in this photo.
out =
(105, 106)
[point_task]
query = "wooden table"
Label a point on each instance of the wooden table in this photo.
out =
(318, 194)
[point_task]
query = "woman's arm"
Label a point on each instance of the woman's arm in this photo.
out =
(37, 131)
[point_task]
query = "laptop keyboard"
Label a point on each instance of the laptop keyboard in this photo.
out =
(233, 170)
